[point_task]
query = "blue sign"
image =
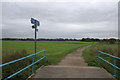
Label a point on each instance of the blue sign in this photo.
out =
(33, 21)
(38, 24)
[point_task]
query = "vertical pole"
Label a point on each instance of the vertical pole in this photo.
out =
(35, 48)
(45, 54)
(114, 67)
(35, 36)
(98, 58)
(33, 65)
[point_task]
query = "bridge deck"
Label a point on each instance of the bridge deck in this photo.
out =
(72, 72)
(72, 66)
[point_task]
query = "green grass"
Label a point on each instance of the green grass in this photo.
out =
(56, 50)
(90, 55)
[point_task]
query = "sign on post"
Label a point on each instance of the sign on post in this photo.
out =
(33, 21)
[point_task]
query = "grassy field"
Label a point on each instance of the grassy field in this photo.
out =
(53, 48)
(90, 55)
(56, 50)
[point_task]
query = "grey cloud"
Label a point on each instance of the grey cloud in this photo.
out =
(69, 19)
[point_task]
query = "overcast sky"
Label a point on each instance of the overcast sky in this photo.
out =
(60, 19)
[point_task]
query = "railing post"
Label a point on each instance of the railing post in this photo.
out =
(45, 54)
(98, 58)
(114, 67)
(33, 65)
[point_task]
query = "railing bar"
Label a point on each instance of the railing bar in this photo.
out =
(39, 52)
(20, 59)
(24, 68)
(109, 63)
(109, 55)
(15, 60)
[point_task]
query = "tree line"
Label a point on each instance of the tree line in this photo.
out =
(111, 40)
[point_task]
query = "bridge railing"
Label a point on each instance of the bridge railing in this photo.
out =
(32, 55)
(114, 65)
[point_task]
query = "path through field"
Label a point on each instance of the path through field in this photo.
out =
(74, 59)
(73, 66)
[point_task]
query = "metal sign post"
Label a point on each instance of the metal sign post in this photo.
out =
(35, 36)
(36, 23)
(34, 26)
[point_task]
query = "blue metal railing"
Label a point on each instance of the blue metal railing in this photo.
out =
(28, 65)
(114, 65)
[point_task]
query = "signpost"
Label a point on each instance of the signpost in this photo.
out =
(34, 26)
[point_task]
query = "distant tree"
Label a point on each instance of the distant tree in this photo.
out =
(97, 39)
(112, 41)
(83, 39)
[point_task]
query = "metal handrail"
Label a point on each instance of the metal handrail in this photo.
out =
(114, 65)
(27, 66)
